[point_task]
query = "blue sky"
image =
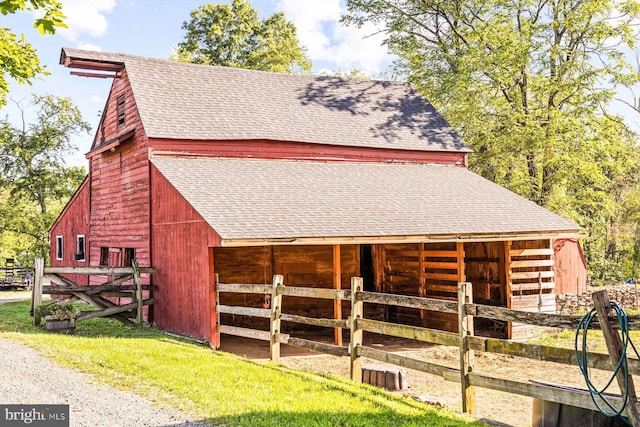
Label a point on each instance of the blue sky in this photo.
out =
(152, 27)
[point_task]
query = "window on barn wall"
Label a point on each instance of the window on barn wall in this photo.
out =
(104, 256)
(59, 248)
(117, 257)
(80, 247)
(120, 110)
(129, 255)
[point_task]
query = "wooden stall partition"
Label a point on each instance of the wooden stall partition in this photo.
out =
(300, 266)
(531, 280)
(485, 268)
(426, 270)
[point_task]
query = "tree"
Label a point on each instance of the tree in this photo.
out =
(527, 84)
(233, 36)
(18, 58)
(37, 183)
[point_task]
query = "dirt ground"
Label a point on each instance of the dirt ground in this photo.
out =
(498, 408)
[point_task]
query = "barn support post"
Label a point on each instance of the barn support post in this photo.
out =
(507, 282)
(276, 309)
(357, 312)
(614, 346)
(337, 284)
(465, 328)
(138, 284)
(215, 315)
(36, 298)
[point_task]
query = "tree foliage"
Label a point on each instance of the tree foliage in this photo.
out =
(234, 36)
(527, 84)
(36, 182)
(18, 58)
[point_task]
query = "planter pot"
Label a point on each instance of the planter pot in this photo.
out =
(65, 326)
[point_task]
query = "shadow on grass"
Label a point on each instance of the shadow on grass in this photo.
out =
(313, 419)
(15, 317)
(374, 407)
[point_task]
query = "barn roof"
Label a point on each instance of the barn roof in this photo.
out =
(263, 201)
(201, 102)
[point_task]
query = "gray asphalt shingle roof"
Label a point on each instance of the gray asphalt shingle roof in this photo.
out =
(202, 102)
(270, 199)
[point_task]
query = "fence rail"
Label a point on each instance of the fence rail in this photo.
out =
(464, 340)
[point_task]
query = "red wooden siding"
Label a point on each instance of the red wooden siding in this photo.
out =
(570, 267)
(72, 222)
(180, 240)
(120, 209)
(299, 150)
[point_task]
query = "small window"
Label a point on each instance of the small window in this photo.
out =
(129, 255)
(59, 248)
(120, 110)
(79, 255)
(104, 256)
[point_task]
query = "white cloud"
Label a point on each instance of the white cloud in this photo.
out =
(86, 17)
(97, 99)
(89, 46)
(329, 41)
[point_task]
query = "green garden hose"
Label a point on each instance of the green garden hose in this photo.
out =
(598, 396)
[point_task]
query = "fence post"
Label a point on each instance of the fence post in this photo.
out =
(276, 309)
(465, 329)
(138, 283)
(36, 297)
(614, 346)
(357, 312)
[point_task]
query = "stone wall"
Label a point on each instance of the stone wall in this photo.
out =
(625, 295)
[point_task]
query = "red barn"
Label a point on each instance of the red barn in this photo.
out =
(570, 267)
(200, 170)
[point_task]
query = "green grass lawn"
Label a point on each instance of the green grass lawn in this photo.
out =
(220, 387)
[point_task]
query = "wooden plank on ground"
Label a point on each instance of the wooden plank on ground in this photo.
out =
(410, 332)
(245, 311)
(405, 362)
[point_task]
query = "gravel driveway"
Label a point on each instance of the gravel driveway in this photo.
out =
(28, 378)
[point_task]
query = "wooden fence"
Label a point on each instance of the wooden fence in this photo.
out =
(16, 277)
(95, 295)
(467, 343)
